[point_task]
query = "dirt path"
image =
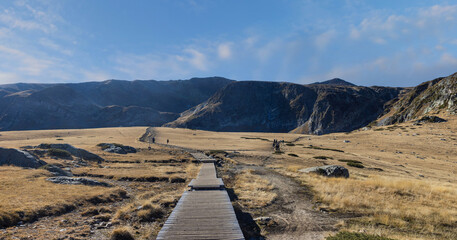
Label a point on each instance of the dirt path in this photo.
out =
(293, 211)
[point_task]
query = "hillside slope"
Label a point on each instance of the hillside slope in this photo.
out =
(283, 107)
(429, 97)
(101, 104)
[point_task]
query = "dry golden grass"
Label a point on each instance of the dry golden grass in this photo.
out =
(253, 191)
(25, 195)
(129, 171)
(407, 189)
(148, 206)
(409, 206)
(122, 233)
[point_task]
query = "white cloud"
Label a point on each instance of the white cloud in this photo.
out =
(94, 75)
(54, 46)
(13, 21)
(379, 40)
(197, 59)
(24, 62)
(322, 40)
(439, 11)
(9, 77)
(224, 51)
(448, 59)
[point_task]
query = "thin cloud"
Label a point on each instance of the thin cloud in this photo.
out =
(224, 51)
(324, 39)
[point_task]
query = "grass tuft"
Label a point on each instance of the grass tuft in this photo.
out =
(60, 153)
(122, 233)
(355, 236)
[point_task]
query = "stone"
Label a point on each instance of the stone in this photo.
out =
(19, 158)
(117, 148)
(77, 152)
(57, 171)
(328, 171)
(77, 181)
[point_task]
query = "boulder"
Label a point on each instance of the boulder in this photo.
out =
(77, 152)
(15, 157)
(77, 181)
(117, 148)
(57, 171)
(430, 119)
(328, 171)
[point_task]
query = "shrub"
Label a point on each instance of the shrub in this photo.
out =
(321, 148)
(355, 236)
(354, 164)
(349, 160)
(322, 157)
(59, 153)
(122, 233)
(211, 152)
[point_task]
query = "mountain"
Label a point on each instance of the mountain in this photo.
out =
(429, 97)
(336, 81)
(101, 104)
(283, 107)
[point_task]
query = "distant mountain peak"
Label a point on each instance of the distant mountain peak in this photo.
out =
(336, 81)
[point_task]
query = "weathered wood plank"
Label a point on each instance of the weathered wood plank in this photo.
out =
(203, 213)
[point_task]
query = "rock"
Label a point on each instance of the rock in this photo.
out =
(116, 148)
(429, 97)
(262, 219)
(328, 171)
(77, 181)
(15, 157)
(430, 119)
(57, 171)
(77, 152)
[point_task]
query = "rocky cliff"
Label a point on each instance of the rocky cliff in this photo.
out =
(439, 95)
(284, 107)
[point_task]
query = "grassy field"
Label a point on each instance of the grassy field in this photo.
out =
(402, 182)
(403, 178)
(145, 187)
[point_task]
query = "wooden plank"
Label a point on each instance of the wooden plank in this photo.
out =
(202, 215)
(205, 212)
(206, 184)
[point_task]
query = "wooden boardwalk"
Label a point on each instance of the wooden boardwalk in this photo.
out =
(204, 212)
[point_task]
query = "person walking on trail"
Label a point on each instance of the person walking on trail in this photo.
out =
(168, 141)
(153, 140)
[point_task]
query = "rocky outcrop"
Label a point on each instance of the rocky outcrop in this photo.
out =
(77, 152)
(77, 181)
(116, 148)
(110, 103)
(283, 107)
(19, 158)
(57, 171)
(328, 171)
(439, 95)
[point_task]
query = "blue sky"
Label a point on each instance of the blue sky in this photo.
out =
(389, 43)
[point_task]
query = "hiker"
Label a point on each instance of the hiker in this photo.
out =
(168, 141)
(153, 139)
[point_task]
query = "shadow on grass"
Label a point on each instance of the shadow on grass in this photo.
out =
(251, 230)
